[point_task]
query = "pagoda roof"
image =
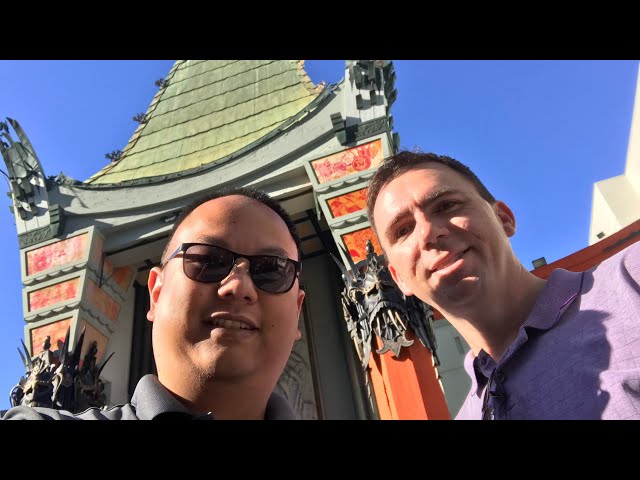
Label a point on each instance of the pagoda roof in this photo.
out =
(209, 111)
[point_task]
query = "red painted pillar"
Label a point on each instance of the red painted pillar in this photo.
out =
(407, 387)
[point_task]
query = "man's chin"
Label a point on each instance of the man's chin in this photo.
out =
(452, 296)
(226, 366)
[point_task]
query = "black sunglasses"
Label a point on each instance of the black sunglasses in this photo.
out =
(206, 263)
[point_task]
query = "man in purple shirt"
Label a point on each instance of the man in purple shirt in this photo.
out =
(567, 348)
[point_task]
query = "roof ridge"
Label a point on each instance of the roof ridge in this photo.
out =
(306, 79)
(155, 101)
(137, 132)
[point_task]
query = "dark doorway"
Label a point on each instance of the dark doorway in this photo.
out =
(142, 361)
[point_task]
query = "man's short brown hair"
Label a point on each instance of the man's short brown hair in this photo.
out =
(405, 161)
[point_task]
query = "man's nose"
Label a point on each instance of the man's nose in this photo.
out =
(239, 282)
(430, 231)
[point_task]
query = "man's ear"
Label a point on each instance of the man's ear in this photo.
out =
(507, 218)
(154, 284)
(398, 279)
(301, 295)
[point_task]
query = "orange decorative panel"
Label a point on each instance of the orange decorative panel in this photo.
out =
(348, 203)
(102, 301)
(57, 293)
(57, 331)
(92, 333)
(350, 161)
(356, 243)
(57, 254)
(122, 277)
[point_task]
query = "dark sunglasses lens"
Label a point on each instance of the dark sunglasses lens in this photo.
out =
(272, 274)
(206, 263)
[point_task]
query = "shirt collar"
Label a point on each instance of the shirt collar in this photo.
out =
(152, 399)
(561, 289)
(478, 368)
(278, 409)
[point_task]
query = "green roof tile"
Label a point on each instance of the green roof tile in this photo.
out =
(209, 110)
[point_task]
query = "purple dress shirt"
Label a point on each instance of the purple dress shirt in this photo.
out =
(577, 356)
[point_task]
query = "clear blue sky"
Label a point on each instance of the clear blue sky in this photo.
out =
(538, 133)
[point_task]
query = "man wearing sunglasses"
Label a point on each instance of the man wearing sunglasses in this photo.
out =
(225, 303)
(564, 348)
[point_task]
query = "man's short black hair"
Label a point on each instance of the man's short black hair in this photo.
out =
(248, 192)
(404, 161)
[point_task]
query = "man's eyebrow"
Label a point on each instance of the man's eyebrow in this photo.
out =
(280, 252)
(424, 203)
(220, 242)
(217, 241)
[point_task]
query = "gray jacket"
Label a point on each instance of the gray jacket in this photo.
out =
(150, 401)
